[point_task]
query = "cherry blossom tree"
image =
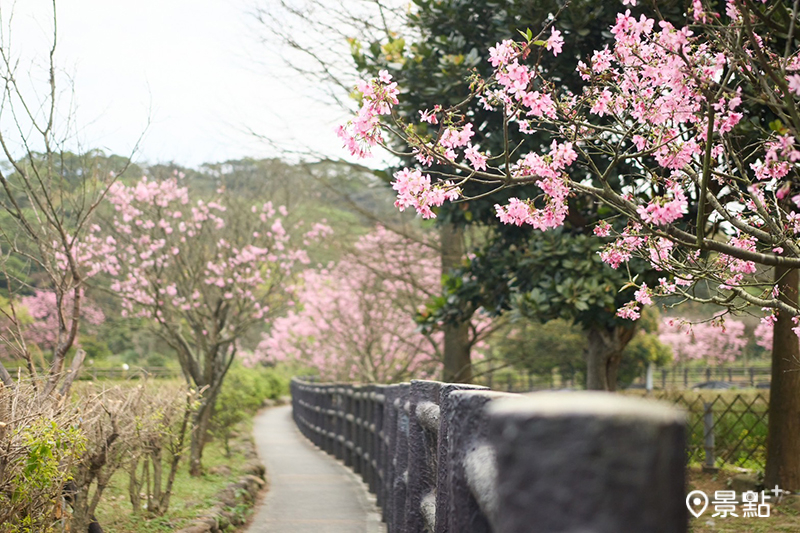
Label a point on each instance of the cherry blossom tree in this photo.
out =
(355, 319)
(41, 306)
(686, 132)
(647, 109)
(204, 272)
(714, 342)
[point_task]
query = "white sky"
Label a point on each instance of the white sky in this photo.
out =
(191, 66)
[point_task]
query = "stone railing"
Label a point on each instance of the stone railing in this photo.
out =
(457, 458)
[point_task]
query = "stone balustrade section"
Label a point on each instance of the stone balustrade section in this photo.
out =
(455, 458)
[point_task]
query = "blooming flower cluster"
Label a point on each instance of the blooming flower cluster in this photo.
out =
(662, 211)
(415, 190)
(717, 341)
(175, 260)
(661, 103)
(622, 249)
(363, 132)
(42, 308)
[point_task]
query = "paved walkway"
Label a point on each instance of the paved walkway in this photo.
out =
(309, 491)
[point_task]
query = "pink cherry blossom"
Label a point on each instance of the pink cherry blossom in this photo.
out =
(555, 42)
(355, 318)
(718, 341)
(42, 307)
(629, 311)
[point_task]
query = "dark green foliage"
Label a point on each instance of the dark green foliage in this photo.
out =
(156, 359)
(94, 347)
(645, 348)
(555, 274)
(538, 349)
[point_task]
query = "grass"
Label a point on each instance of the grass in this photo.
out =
(191, 497)
(784, 517)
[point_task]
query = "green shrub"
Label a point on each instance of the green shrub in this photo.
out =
(94, 348)
(39, 444)
(131, 357)
(243, 392)
(156, 359)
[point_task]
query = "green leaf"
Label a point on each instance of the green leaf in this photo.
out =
(777, 125)
(527, 35)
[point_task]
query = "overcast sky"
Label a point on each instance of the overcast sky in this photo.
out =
(193, 68)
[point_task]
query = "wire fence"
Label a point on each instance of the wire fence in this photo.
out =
(669, 378)
(743, 377)
(724, 428)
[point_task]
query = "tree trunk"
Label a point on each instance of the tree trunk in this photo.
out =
(200, 425)
(604, 354)
(80, 519)
(457, 357)
(155, 458)
(135, 485)
(783, 444)
(177, 453)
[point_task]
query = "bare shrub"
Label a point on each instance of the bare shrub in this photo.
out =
(161, 425)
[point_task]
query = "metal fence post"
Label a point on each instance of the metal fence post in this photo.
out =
(348, 426)
(708, 437)
(391, 393)
(379, 446)
(358, 452)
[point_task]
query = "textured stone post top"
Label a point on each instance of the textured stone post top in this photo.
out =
(593, 404)
(481, 394)
(588, 462)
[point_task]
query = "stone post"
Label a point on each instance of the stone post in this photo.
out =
(588, 462)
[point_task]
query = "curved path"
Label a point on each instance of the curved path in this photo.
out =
(309, 491)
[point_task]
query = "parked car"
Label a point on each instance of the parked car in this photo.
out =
(714, 385)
